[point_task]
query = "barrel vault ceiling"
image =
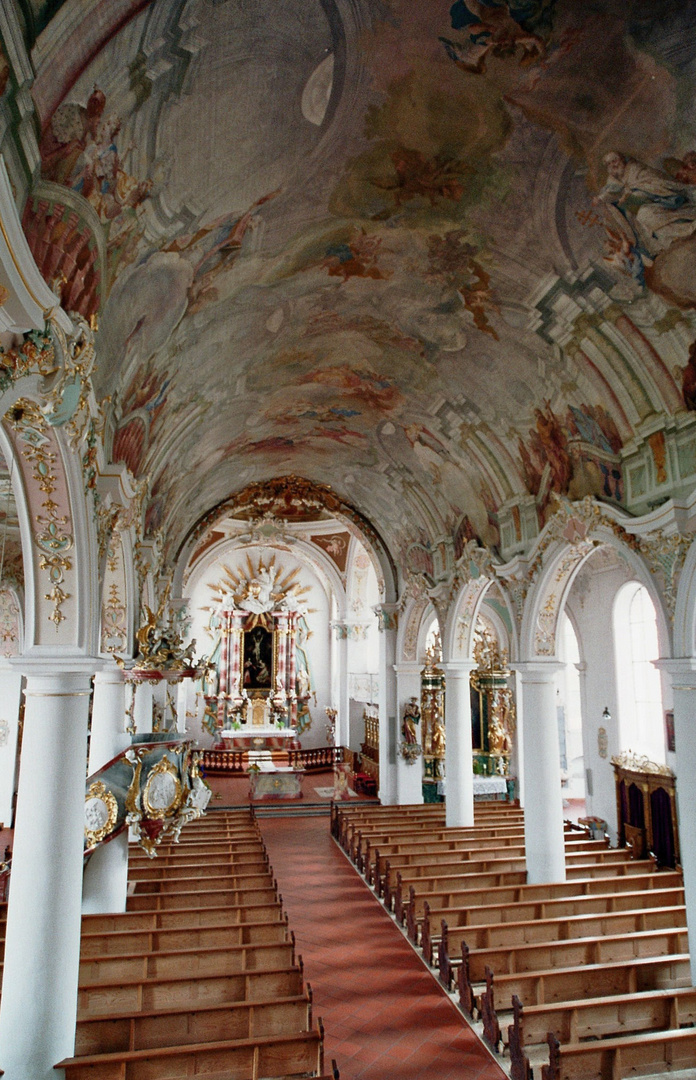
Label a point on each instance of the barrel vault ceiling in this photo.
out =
(439, 257)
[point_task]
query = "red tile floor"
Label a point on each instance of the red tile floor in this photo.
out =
(384, 1013)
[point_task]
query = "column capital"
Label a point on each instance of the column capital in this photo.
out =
(110, 674)
(458, 669)
(57, 663)
(54, 684)
(537, 671)
(412, 667)
(387, 616)
(681, 671)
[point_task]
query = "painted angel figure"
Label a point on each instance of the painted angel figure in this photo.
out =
(497, 28)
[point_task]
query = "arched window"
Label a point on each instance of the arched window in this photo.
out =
(570, 712)
(638, 683)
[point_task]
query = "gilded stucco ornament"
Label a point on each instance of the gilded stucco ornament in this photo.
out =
(665, 555)
(161, 801)
(101, 812)
(67, 397)
(35, 355)
(160, 646)
(52, 532)
(573, 522)
(640, 763)
(162, 792)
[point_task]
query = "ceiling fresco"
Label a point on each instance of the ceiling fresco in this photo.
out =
(438, 256)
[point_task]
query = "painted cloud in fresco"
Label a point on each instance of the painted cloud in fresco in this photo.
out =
(343, 246)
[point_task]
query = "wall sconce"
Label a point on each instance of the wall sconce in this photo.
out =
(606, 715)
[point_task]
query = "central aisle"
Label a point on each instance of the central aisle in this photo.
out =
(385, 1016)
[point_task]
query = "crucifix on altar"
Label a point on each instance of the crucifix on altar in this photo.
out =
(263, 684)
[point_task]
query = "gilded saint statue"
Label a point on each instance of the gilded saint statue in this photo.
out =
(438, 742)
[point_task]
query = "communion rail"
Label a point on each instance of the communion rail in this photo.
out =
(317, 759)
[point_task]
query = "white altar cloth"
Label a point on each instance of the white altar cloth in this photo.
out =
(483, 786)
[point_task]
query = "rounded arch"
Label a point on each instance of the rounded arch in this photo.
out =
(57, 531)
(684, 634)
(564, 546)
(429, 619)
(464, 613)
(286, 498)
(409, 629)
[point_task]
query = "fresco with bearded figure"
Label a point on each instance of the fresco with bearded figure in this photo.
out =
(413, 254)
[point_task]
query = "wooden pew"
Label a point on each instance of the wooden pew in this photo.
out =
(457, 882)
(446, 857)
(245, 1059)
(448, 868)
(163, 901)
(202, 1023)
(183, 918)
(185, 883)
(373, 852)
(532, 910)
(368, 841)
(612, 1059)
(486, 942)
(398, 902)
(591, 951)
(197, 961)
(184, 990)
(118, 942)
(497, 901)
(424, 818)
(599, 1017)
(584, 981)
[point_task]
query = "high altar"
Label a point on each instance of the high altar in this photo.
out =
(262, 694)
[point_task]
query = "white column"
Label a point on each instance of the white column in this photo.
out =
(42, 952)
(409, 778)
(516, 768)
(105, 880)
(10, 693)
(388, 616)
(541, 768)
(683, 676)
(108, 737)
(459, 766)
(182, 698)
(142, 710)
(343, 699)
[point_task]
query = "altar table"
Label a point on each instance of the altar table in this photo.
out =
(277, 783)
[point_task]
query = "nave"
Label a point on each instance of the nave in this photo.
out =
(384, 1015)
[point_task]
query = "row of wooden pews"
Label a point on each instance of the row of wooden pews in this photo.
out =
(591, 973)
(199, 975)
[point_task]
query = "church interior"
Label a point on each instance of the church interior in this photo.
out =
(347, 539)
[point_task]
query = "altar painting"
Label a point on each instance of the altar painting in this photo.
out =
(258, 663)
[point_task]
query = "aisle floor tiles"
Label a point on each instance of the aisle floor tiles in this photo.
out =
(385, 1015)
